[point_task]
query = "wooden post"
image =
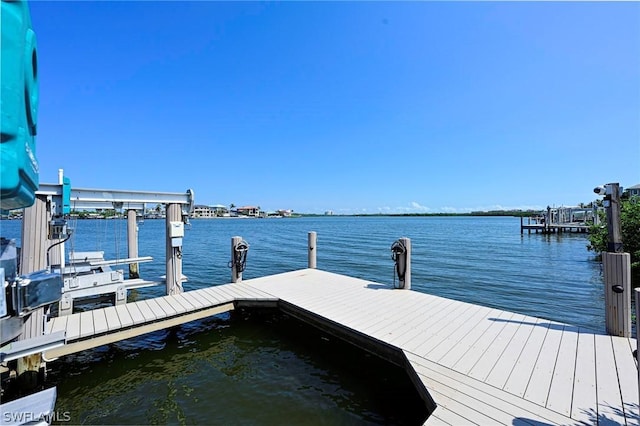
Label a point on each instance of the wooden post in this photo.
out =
(236, 276)
(174, 253)
(547, 221)
(407, 274)
(637, 292)
(35, 229)
(312, 238)
(612, 205)
(33, 257)
(617, 293)
(617, 269)
(132, 243)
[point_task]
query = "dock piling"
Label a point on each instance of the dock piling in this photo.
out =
(132, 243)
(175, 232)
(239, 249)
(312, 249)
(617, 283)
(637, 353)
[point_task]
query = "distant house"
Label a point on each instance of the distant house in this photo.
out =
(200, 210)
(285, 213)
(633, 191)
(250, 211)
(218, 210)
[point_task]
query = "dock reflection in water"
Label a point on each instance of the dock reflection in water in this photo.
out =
(251, 367)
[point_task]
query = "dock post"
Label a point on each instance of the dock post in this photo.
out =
(33, 257)
(617, 268)
(132, 243)
(175, 233)
(547, 221)
(236, 273)
(637, 295)
(313, 236)
(407, 273)
(612, 206)
(617, 293)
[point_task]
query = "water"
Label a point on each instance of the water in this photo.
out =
(260, 371)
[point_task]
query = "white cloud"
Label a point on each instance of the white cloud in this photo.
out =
(417, 206)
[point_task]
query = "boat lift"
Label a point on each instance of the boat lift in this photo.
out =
(88, 274)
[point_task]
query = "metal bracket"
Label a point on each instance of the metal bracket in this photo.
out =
(22, 348)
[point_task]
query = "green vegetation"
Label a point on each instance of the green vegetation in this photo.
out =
(99, 214)
(629, 227)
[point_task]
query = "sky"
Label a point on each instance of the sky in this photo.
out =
(353, 107)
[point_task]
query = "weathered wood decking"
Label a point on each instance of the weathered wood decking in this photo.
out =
(478, 365)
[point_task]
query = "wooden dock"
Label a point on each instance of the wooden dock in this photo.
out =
(471, 364)
(555, 228)
(538, 225)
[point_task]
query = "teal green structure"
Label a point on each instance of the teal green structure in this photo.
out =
(19, 107)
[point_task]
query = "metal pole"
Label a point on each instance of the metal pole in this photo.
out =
(313, 236)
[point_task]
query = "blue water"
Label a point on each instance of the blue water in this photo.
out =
(482, 260)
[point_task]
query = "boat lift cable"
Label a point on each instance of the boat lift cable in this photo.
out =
(239, 259)
(397, 249)
(56, 244)
(177, 281)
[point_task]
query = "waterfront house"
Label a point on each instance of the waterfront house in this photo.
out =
(249, 211)
(633, 191)
(217, 210)
(220, 210)
(201, 210)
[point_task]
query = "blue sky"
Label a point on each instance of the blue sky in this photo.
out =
(355, 107)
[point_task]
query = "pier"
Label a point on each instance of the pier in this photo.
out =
(561, 219)
(471, 364)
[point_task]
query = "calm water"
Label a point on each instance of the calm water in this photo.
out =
(262, 370)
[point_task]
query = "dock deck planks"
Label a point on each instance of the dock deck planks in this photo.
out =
(480, 365)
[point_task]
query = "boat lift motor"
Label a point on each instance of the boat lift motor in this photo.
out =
(22, 294)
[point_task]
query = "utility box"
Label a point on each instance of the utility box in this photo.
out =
(176, 229)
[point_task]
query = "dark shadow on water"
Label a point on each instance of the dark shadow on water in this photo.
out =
(251, 367)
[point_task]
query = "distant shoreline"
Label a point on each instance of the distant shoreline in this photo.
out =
(513, 213)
